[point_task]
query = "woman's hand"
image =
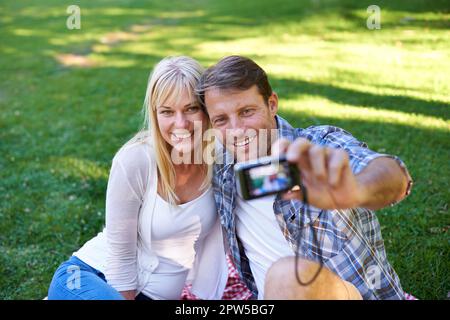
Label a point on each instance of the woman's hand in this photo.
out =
(129, 295)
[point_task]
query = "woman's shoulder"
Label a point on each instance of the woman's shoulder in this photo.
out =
(132, 167)
(136, 153)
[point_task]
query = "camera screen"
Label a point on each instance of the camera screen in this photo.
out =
(270, 178)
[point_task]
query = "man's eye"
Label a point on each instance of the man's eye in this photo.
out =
(247, 112)
(219, 121)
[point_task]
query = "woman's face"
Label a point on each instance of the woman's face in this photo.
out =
(181, 122)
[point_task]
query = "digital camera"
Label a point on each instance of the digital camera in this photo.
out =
(265, 176)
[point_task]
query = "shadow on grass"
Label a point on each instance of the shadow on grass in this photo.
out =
(289, 88)
(413, 6)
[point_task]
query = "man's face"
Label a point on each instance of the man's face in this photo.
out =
(244, 120)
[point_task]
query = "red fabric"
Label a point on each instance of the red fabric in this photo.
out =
(236, 290)
(410, 297)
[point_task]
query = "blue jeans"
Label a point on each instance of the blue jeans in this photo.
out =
(76, 280)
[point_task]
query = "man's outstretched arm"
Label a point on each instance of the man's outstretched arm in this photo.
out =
(331, 184)
(385, 183)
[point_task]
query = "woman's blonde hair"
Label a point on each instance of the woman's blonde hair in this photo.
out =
(171, 77)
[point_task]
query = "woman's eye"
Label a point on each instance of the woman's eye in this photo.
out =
(166, 112)
(193, 109)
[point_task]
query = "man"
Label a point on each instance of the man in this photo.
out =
(344, 181)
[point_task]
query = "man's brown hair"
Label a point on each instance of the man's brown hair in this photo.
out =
(234, 73)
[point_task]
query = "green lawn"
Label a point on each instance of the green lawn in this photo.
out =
(70, 98)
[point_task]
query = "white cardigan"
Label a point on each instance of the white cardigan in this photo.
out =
(123, 252)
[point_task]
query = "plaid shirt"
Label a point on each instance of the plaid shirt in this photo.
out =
(351, 242)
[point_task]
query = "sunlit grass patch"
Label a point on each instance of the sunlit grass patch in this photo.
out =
(77, 168)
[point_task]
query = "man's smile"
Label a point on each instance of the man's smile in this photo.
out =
(244, 142)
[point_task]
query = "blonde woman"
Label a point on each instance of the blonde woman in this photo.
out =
(162, 228)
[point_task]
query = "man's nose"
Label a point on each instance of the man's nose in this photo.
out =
(236, 128)
(236, 124)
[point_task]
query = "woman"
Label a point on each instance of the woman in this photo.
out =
(162, 230)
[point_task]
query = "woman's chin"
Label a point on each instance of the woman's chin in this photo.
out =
(183, 148)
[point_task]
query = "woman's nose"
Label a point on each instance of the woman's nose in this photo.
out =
(181, 121)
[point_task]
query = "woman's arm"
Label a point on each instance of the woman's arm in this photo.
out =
(123, 202)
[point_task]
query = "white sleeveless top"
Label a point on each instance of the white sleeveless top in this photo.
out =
(175, 232)
(153, 247)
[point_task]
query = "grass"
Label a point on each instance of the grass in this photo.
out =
(70, 98)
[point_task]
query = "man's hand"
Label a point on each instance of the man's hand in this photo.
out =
(331, 184)
(325, 172)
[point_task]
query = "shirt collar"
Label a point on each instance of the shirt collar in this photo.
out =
(285, 130)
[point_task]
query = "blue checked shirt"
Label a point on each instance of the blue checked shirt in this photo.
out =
(351, 242)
